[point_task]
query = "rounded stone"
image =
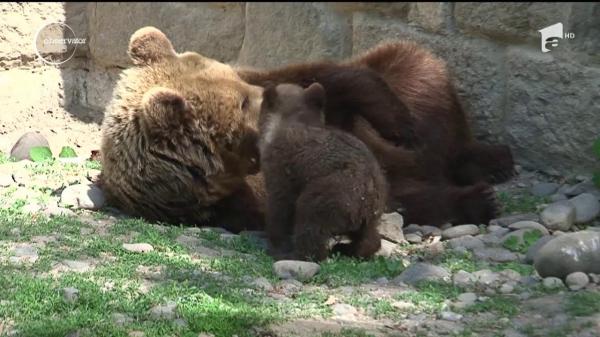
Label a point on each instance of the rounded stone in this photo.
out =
(552, 283)
(413, 238)
(569, 253)
(20, 150)
(298, 270)
(422, 272)
(529, 225)
(86, 196)
(587, 207)
(577, 280)
(458, 231)
(138, 247)
(558, 216)
(544, 189)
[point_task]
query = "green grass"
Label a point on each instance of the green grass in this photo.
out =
(347, 332)
(214, 294)
(454, 261)
(583, 303)
(343, 271)
(430, 296)
(529, 238)
(515, 204)
(502, 305)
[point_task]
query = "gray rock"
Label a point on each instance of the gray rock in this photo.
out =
(463, 279)
(506, 288)
(412, 229)
(569, 253)
(163, 312)
(86, 196)
(529, 225)
(196, 246)
(77, 265)
(387, 248)
(535, 248)
(343, 311)
(458, 231)
(577, 280)
(558, 216)
(20, 150)
(429, 15)
(121, 319)
(544, 189)
(430, 231)
(527, 77)
(70, 294)
(583, 187)
(485, 277)
(595, 278)
(55, 210)
(214, 22)
(495, 228)
(263, 284)
(467, 242)
(413, 238)
(138, 247)
(509, 220)
(495, 254)
(418, 272)
(587, 207)
(450, 316)
(180, 323)
(390, 227)
(552, 283)
(558, 197)
(24, 254)
(467, 298)
(298, 270)
(510, 275)
(268, 36)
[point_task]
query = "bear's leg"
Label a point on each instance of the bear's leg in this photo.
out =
(425, 203)
(280, 215)
(364, 242)
(481, 162)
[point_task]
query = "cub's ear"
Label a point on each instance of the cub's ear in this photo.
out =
(269, 96)
(148, 45)
(165, 106)
(314, 96)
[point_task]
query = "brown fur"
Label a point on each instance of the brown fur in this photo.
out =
(438, 173)
(320, 181)
(179, 138)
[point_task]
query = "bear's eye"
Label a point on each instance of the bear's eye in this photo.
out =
(245, 103)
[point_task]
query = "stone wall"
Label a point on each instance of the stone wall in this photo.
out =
(546, 106)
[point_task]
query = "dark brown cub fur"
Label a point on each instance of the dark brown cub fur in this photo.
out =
(320, 181)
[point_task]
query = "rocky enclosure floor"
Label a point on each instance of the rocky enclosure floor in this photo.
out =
(69, 270)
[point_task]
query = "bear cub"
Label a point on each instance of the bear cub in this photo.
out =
(321, 182)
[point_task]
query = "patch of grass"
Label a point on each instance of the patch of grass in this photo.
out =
(584, 303)
(530, 237)
(523, 269)
(343, 271)
(347, 332)
(375, 307)
(454, 261)
(515, 204)
(3, 158)
(430, 297)
(503, 305)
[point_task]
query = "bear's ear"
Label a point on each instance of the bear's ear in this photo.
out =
(314, 96)
(165, 106)
(148, 45)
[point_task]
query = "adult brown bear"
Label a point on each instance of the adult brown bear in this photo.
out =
(398, 98)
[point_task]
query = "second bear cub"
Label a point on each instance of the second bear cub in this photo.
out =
(321, 182)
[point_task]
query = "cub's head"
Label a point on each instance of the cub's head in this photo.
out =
(292, 103)
(177, 93)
